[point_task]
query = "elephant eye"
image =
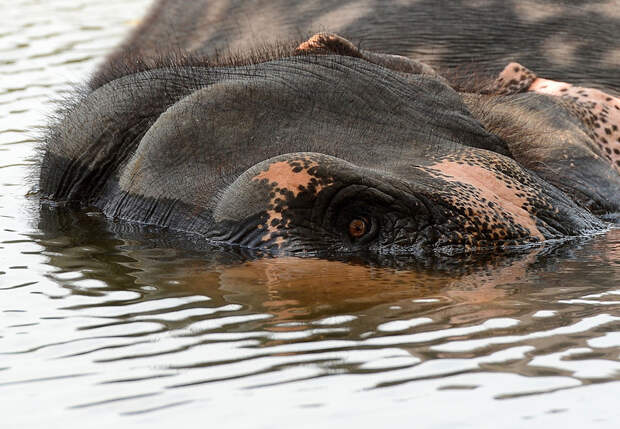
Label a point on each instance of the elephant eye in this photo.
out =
(358, 227)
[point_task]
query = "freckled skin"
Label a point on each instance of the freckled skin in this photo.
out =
(286, 179)
(319, 146)
(599, 112)
(493, 197)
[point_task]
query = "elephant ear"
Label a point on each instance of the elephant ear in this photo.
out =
(567, 134)
(597, 111)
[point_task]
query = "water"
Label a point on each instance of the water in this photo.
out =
(104, 323)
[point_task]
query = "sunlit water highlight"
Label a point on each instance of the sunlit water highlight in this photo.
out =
(104, 323)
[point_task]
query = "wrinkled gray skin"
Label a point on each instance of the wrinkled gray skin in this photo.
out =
(322, 150)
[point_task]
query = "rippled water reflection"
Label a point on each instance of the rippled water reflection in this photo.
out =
(104, 323)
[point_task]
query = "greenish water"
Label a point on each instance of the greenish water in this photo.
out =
(107, 324)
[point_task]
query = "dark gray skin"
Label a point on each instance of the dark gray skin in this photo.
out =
(322, 147)
(571, 40)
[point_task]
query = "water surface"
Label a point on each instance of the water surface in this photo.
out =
(103, 323)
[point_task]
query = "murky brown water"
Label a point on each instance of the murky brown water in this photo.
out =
(104, 323)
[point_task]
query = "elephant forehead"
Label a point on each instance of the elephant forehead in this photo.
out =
(491, 196)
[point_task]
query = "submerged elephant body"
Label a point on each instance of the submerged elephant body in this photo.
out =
(319, 146)
(560, 39)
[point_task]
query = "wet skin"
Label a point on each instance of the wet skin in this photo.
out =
(320, 147)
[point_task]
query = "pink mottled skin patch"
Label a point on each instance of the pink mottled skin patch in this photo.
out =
(598, 111)
(603, 108)
(546, 86)
(505, 199)
(284, 179)
(282, 174)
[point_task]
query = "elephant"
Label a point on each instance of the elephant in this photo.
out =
(317, 145)
(570, 40)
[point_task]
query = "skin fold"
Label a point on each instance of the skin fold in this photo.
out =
(319, 146)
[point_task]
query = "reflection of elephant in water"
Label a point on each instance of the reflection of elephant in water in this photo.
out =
(294, 289)
(321, 146)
